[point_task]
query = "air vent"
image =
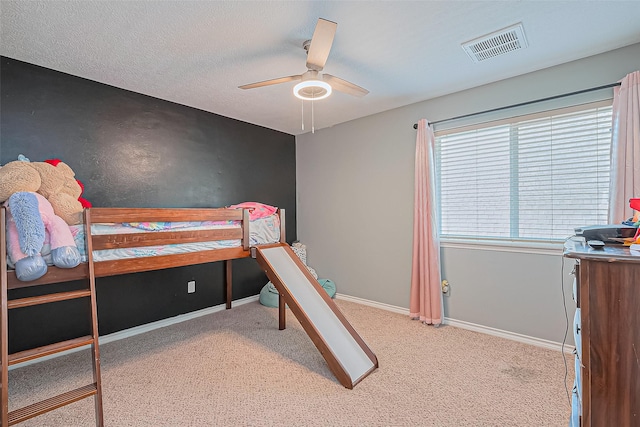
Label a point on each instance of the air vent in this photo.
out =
(496, 44)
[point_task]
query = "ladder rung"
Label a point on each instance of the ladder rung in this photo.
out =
(47, 350)
(54, 275)
(55, 402)
(44, 299)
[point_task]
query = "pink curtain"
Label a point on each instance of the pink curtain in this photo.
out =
(426, 291)
(625, 148)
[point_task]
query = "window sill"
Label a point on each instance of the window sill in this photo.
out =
(496, 245)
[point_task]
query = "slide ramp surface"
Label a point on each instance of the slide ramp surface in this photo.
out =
(346, 353)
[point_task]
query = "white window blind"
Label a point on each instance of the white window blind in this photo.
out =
(532, 177)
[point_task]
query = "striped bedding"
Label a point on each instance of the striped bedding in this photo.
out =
(263, 230)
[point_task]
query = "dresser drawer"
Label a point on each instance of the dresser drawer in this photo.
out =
(577, 383)
(577, 332)
(574, 419)
(576, 284)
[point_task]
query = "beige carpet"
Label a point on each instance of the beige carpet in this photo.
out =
(235, 368)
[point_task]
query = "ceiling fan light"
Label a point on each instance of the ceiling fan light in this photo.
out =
(312, 90)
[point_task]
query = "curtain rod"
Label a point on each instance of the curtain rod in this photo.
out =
(415, 125)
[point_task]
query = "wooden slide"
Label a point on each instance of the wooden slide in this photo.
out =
(347, 355)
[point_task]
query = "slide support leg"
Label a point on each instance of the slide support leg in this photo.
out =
(282, 320)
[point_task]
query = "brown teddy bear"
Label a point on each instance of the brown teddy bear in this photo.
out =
(53, 179)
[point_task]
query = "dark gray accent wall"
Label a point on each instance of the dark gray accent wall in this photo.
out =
(132, 150)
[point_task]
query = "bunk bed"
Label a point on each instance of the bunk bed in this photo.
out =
(120, 241)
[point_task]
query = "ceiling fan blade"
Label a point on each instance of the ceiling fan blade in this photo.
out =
(321, 44)
(271, 82)
(344, 86)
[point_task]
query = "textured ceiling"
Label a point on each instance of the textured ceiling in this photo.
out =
(197, 53)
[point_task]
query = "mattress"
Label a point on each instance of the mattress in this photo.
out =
(261, 231)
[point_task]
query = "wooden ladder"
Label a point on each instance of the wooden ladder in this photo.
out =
(54, 275)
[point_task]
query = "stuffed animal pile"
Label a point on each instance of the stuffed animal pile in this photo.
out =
(40, 197)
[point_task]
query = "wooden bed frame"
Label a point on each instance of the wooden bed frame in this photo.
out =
(90, 270)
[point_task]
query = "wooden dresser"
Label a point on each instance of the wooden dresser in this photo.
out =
(607, 334)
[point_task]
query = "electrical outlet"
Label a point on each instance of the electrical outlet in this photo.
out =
(445, 287)
(191, 286)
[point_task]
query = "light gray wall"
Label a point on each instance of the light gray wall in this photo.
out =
(355, 208)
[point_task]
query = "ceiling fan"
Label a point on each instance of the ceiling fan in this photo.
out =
(313, 85)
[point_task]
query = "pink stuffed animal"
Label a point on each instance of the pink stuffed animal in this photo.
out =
(29, 216)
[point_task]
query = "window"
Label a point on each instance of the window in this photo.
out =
(531, 177)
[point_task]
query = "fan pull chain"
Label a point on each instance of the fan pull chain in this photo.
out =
(313, 127)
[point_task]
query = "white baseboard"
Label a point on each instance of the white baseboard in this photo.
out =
(387, 307)
(126, 333)
(538, 342)
(526, 339)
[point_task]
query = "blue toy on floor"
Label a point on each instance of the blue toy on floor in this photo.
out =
(269, 293)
